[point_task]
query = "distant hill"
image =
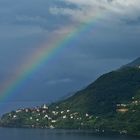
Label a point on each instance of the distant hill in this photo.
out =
(101, 97)
(135, 63)
(111, 103)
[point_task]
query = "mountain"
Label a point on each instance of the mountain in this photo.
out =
(109, 104)
(135, 63)
(102, 96)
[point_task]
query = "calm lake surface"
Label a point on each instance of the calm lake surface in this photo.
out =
(43, 134)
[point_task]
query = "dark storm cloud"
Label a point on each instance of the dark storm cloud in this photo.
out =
(133, 22)
(33, 13)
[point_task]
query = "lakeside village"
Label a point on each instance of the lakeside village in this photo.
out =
(43, 117)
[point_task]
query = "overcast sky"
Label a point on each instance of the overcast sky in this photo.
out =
(110, 39)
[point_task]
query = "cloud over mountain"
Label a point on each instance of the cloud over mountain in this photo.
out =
(89, 8)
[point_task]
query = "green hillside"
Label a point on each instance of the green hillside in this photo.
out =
(110, 104)
(101, 97)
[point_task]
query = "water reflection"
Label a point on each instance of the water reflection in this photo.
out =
(44, 134)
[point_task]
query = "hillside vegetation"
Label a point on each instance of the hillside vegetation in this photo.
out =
(110, 104)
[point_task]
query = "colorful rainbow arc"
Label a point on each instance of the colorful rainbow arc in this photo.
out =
(40, 57)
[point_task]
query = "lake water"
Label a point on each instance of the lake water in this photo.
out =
(43, 134)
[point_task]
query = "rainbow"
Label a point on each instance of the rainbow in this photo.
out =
(40, 57)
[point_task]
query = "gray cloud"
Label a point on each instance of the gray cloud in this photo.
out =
(133, 22)
(116, 9)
